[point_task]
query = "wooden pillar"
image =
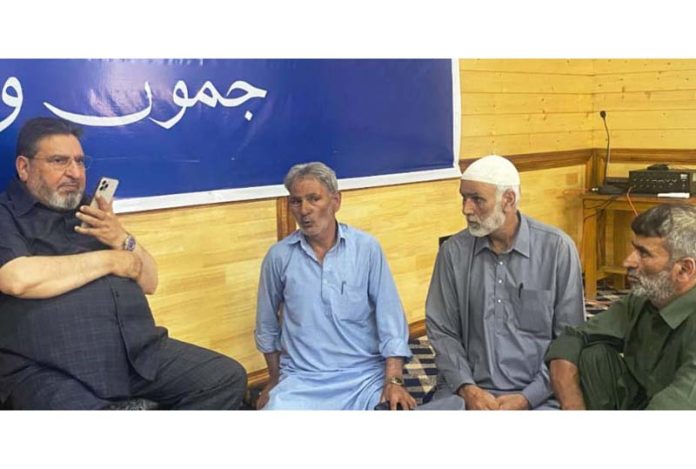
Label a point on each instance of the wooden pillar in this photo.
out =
(285, 222)
(599, 163)
(589, 247)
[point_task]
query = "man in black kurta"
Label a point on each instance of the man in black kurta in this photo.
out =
(76, 330)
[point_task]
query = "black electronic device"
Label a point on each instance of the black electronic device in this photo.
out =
(656, 181)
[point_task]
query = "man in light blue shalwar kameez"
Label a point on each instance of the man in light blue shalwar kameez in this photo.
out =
(329, 320)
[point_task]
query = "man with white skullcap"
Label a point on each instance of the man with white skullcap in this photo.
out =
(501, 290)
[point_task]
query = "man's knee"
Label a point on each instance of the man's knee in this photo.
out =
(233, 373)
(601, 368)
(229, 381)
(600, 360)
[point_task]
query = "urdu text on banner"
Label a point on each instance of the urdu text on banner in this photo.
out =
(187, 132)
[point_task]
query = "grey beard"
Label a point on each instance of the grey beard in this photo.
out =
(658, 288)
(65, 203)
(483, 228)
(52, 199)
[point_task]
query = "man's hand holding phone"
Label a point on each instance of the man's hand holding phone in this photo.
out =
(98, 218)
(106, 188)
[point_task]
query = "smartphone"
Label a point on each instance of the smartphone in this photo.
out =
(106, 188)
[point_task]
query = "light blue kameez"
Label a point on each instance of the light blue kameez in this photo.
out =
(339, 321)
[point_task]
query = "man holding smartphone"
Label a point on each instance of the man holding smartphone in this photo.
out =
(76, 330)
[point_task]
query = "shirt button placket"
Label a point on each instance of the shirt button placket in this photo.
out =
(498, 286)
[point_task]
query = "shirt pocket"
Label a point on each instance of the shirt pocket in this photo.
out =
(352, 304)
(535, 312)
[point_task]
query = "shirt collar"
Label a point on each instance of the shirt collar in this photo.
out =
(520, 244)
(678, 310)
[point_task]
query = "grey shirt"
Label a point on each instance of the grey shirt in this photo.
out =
(490, 318)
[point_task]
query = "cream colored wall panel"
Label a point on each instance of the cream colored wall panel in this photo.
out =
(559, 66)
(648, 81)
(626, 66)
(552, 196)
(525, 106)
(482, 125)
(524, 103)
(651, 120)
(524, 143)
(651, 103)
(508, 82)
(645, 100)
(665, 138)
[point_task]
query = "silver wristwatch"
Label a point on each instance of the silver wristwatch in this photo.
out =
(129, 243)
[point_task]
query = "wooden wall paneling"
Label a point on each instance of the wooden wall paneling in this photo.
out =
(627, 66)
(209, 260)
(593, 173)
(511, 124)
(647, 120)
(473, 81)
(552, 196)
(620, 243)
(599, 161)
(555, 66)
(650, 103)
(525, 106)
(645, 81)
(650, 138)
(524, 103)
(524, 143)
(650, 100)
(285, 221)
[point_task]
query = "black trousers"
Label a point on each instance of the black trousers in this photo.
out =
(190, 377)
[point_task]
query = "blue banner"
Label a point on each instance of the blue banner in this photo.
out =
(167, 127)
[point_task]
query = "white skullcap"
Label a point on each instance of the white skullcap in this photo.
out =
(492, 169)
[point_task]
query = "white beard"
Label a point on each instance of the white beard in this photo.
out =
(68, 202)
(481, 228)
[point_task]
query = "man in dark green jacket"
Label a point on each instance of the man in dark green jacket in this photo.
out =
(641, 353)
